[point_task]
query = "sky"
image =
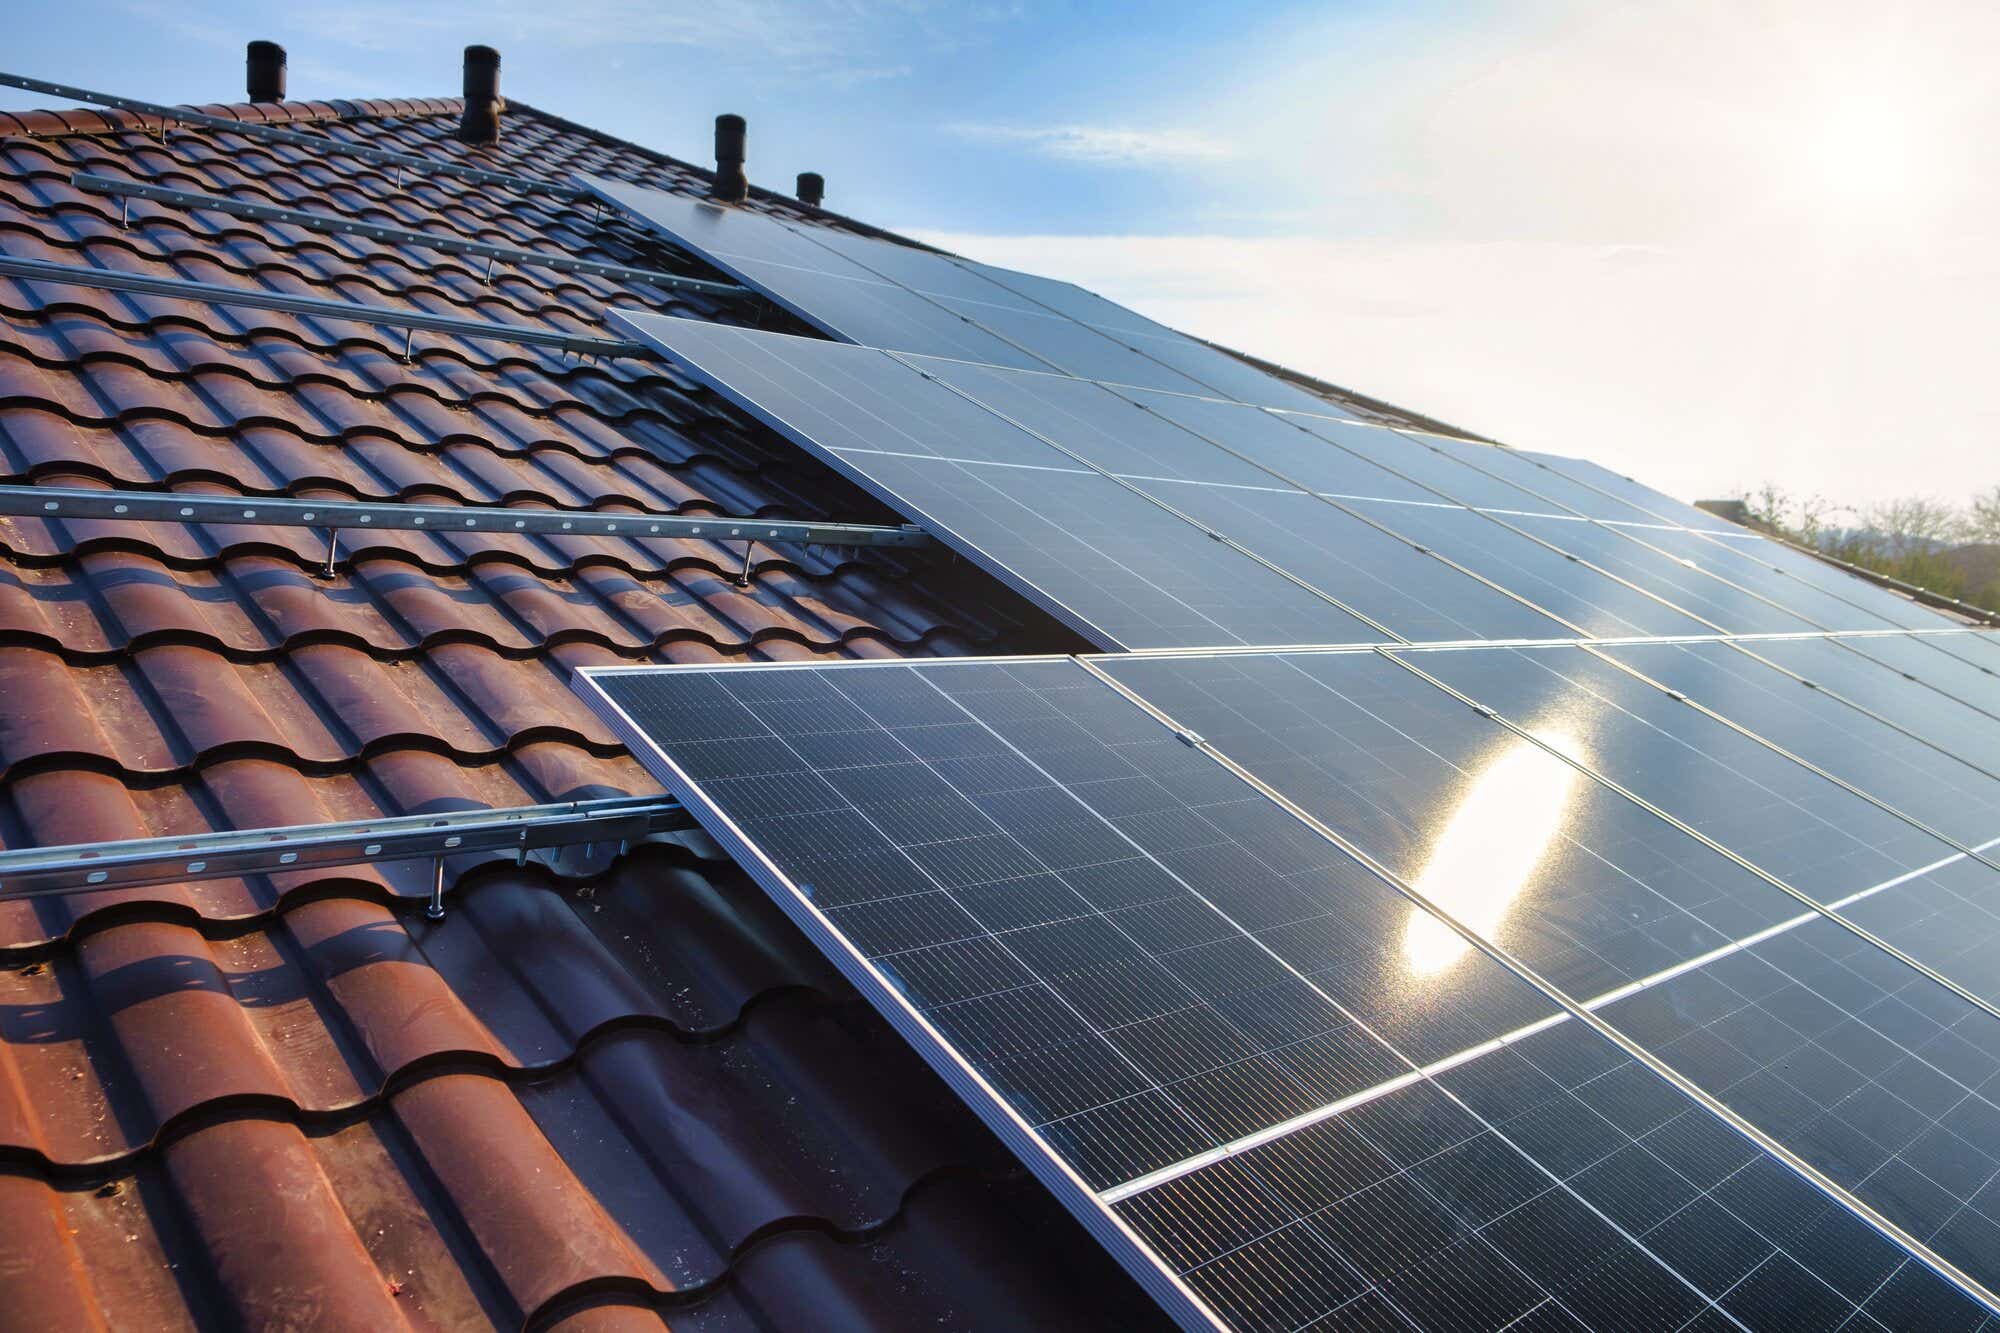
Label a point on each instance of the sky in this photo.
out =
(1711, 243)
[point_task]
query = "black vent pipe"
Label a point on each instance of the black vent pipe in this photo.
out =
(812, 188)
(480, 123)
(730, 182)
(265, 72)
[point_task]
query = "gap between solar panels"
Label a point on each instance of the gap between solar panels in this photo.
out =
(903, 846)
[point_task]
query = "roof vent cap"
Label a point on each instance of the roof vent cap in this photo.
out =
(265, 72)
(480, 123)
(731, 184)
(812, 188)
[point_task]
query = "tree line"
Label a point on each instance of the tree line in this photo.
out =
(1920, 539)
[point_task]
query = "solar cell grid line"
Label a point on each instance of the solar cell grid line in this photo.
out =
(1107, 560)
(1693, 589)
(1972, 1282)
(1931, 788)
(769, 786)
(1709, 553)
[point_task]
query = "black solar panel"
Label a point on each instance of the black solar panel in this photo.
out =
(1305, 1097)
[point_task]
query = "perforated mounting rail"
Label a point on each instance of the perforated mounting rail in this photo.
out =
(43, 871)
(63, 502)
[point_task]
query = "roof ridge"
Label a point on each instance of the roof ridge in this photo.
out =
(50, 123)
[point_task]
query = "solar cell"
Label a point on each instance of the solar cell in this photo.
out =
(1175, 1000)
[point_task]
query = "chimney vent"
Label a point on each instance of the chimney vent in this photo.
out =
(812, 188)
(730, 182)
(480, 123)
(265, 72)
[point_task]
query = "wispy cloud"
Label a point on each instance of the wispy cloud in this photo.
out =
(1104, 145)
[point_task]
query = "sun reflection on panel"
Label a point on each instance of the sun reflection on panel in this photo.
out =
(1511, 814)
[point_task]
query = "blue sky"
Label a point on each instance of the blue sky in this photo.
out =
(1711, 242)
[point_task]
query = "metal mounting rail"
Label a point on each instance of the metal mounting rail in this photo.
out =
(451, 245)
(318, 143)
(42, 871)
(58, 502)
(84, 275)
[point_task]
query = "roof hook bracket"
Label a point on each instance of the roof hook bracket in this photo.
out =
(409, 337)
(742, 578)
(435, 911)
(332, 549)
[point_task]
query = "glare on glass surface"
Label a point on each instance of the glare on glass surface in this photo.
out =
(1512, 813)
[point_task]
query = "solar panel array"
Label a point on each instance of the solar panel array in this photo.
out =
(1477, 891)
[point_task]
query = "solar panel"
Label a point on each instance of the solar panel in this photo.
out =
(899, 297)
(1212, 1031)
(1118, 568)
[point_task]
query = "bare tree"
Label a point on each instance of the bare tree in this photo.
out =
(1982, 518)
(1913, 524)
(1800, 517)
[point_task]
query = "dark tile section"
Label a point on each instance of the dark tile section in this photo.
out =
(613, 1090)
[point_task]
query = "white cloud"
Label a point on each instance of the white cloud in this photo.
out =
(1105, 145)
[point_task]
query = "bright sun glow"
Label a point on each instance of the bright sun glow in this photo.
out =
(1863, 152)
(1512, 813)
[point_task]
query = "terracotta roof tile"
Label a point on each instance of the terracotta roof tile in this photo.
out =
(615, 1087)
